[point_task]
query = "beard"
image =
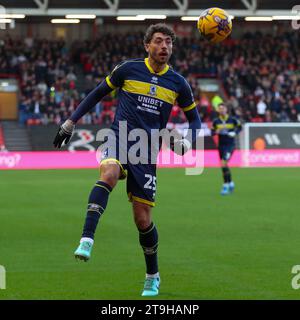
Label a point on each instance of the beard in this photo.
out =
(161, 59)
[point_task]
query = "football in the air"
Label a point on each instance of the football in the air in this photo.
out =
(214, 24)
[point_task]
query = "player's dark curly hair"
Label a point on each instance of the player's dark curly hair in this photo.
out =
(159, 27)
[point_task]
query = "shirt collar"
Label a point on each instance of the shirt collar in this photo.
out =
(166, 68)
(224, 118)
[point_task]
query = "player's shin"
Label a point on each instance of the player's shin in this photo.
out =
(97, 203)
(226, 174)
(149, 242)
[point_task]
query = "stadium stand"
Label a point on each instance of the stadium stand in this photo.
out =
(259, 73)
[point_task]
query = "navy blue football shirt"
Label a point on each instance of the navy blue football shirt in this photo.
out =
(145, 97)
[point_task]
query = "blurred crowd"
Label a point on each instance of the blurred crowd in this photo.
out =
(47, 79)
(260, 75)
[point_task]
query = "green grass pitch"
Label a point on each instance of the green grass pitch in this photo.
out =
(211, 247)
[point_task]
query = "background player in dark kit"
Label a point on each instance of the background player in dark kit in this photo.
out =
(226, 127)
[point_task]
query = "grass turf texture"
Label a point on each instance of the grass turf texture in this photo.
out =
(211, 247)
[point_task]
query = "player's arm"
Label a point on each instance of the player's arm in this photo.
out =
(90, 101)
(237, 128)
(65, 131)
(188, 105)
(194, 120)
(111, 82)
(214, 129)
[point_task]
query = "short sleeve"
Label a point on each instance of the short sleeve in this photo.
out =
(237, 122)
(117, 76)
(238, 125)
(214, 124)
(185, 97)
(214, 127)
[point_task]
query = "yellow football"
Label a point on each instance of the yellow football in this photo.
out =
(214, 24)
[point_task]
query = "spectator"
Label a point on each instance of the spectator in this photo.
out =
(261, 108)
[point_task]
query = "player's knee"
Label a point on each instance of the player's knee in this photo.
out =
(110, 178)
(142, 215)
(142, 223)
(224, 164)
(110, 175)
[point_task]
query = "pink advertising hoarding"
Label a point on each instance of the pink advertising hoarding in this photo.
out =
(86, 159)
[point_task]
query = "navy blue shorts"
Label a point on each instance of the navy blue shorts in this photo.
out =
(141, 178)
(141, 183)
(225, 152)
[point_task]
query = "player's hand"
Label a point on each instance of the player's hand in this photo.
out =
(231, 134)
(180, 146)
(64, 133)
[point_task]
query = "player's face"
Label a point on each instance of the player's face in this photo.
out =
(222, 110)
(160, 48)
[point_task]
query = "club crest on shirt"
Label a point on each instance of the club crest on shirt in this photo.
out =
(153, 90)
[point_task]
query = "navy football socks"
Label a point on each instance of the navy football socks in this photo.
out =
(96, 206)
(226, 174)
(149, 242)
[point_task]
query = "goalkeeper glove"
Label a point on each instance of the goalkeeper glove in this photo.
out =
(180, 146)
(231, 134)
(64, 133)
